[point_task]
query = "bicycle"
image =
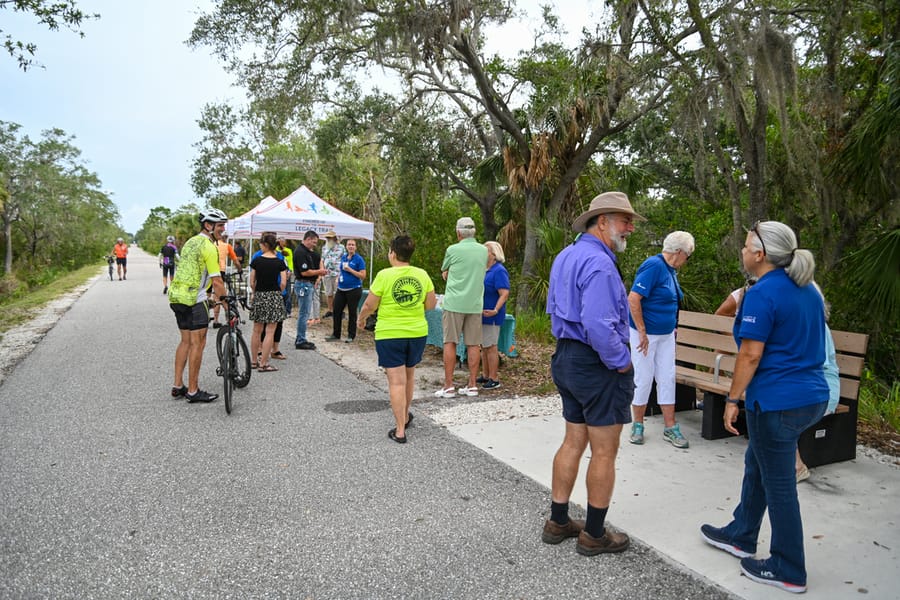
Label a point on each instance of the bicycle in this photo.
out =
(234, 357)
(110, 260)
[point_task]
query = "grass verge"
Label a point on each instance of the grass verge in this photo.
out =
(23, 307)
(879, 403)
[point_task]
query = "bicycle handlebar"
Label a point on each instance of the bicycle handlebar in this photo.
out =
(230, 300)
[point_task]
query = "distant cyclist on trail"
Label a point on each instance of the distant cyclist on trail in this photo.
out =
(120, 250)
(168, 258)
(199, 265)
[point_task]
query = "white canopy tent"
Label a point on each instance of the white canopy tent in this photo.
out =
(239, 227)
(303, 211)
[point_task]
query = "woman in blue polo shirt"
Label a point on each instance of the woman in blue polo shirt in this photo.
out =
(653, 315)
(352, 271)
(496, 293)
(780, 332)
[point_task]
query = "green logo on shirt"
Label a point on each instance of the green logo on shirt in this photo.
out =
(407, 291)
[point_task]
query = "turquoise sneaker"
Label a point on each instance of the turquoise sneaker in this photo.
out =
(673, 436)
(637, 433)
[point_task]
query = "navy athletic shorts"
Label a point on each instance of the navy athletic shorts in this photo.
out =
(400, 352)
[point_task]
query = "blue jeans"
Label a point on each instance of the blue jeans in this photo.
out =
(770, 482)
(304, 291)
(288, 302)
(288, 290)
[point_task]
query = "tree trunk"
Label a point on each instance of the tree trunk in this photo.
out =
(489, 222)
(754, 152)
(751, 134)
(727, 170)
(7, 261)
(532, 251)
(833, 98)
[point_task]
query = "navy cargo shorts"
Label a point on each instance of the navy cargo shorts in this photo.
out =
(591, 393)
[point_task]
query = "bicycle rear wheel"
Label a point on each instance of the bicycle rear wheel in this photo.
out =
(242, 360)
(227, 366)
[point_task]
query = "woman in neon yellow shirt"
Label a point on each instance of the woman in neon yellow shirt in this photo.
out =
(401, 294)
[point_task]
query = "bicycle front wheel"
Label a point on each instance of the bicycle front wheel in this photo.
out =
(228, 372)
(242, 370)
(220, 341)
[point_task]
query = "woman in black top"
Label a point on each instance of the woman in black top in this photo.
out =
(267, 311)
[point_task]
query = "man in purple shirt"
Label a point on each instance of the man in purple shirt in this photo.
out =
(588, 307)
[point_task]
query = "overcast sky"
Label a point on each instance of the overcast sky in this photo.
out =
(131, 92)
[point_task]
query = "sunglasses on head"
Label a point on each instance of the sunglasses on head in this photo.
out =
(755, 230)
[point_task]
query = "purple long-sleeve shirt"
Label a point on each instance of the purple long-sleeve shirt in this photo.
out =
(587, 300)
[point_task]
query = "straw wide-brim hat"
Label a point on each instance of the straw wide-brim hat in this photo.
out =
(330, 234)
(607, 202)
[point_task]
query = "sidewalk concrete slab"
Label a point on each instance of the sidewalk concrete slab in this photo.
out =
(663, 495)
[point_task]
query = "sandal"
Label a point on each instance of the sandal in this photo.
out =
(393, 435)
(445, 392)
(278, 355)
(266, 368)
(409, 418)
(468, 391)
(254, 365)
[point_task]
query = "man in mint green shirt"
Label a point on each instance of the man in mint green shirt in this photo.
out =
(463, 268)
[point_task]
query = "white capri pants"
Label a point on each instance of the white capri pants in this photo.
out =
(659, 364)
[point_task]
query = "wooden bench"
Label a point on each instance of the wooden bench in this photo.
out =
(705, 357)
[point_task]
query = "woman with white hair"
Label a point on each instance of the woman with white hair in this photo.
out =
(496, 293)
(653, 301)
(780, 333)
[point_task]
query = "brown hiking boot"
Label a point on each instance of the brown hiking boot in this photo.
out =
(554, 533)
(612, 541)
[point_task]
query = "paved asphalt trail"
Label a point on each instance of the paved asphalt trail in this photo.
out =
(109, 488)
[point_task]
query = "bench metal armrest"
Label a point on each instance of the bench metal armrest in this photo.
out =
(719, 358)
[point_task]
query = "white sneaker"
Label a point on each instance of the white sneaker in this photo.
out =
(468, 391)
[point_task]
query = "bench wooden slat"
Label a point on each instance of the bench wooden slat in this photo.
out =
(850, 366)
(849, 389)
(715, 341)
(695, 356)
(700, 320)
(850, 342)
(702, 380)
(704, 357)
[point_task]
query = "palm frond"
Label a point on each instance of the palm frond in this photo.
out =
(876, 269)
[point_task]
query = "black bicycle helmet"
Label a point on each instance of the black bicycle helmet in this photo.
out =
(212, 215)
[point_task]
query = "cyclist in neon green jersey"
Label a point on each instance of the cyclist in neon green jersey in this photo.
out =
(199, 266)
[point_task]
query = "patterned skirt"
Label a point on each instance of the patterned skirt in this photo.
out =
(268, 307)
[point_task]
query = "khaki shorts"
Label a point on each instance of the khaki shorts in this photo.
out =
(330, 284)
(490, 335)
(454, 323)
